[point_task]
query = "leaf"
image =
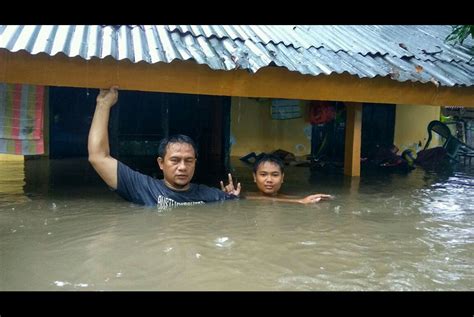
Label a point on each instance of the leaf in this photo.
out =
(460, 33)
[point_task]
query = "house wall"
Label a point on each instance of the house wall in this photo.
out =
(253, 130)
(11, 157)
(12, 174)
(411, 124)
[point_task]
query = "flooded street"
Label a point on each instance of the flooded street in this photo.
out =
(62, 229)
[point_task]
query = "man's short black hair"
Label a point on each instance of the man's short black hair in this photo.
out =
(268, 158)
(176, 138)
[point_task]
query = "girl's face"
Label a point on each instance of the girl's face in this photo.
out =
(268, 178)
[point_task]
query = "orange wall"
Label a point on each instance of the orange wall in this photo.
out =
(254, 131)
(411, 125)
(12, 176)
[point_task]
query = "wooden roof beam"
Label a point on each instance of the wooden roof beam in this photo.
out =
(190, 77)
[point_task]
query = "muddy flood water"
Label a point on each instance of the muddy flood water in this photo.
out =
(62, 229)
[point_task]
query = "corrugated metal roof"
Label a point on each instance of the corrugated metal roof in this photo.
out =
(401, 52)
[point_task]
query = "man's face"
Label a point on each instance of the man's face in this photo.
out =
(178, 165)
(268, 178)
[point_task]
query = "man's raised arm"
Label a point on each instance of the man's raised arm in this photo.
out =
(98, 143)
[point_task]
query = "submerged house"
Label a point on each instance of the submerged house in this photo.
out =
(234, 88)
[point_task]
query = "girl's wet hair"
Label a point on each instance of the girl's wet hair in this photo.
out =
(269, 158)
(176, 138)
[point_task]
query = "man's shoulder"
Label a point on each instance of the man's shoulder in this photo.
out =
(124, 168)
(202, 187)
(211, 193)
(128, 174)
(207, 191)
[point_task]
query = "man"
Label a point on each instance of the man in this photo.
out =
(176, 158)
(268, 174)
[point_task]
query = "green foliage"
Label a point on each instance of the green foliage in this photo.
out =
(460, 33)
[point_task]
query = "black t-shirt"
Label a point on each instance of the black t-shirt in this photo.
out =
(145, 190)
